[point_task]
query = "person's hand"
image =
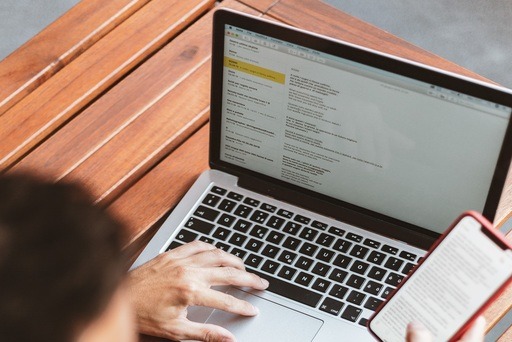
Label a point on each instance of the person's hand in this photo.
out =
(162, 289)
(416, 332)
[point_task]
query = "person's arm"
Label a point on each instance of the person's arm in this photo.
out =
(416, 332)
(163, 289)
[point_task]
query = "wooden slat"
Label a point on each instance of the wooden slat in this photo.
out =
(322, 18)
(507, 336)
(67, 92)
(160, 190)
(58, 44)
(260, 5)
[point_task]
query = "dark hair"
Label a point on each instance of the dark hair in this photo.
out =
(60, 259)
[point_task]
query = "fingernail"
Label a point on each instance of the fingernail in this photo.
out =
(265, 282)
(256, 310)
(416, 326)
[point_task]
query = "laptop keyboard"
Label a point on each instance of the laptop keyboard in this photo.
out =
(321, 266)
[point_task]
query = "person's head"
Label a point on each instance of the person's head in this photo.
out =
(61, 265)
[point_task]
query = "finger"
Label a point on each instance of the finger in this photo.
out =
(477, 331)
(416, 332)
(215, 258)
(236, 277)
(222, 301)
(188, 330)
(190, 249)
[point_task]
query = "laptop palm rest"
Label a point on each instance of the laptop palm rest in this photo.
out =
(275, 322)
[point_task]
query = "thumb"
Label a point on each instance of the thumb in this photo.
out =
(188, 330)
(416, 332)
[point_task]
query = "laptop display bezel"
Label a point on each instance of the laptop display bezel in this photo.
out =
(344, 211)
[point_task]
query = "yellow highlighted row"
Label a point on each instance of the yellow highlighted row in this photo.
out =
(254, 70)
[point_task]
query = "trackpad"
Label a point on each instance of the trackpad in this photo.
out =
(274, 322)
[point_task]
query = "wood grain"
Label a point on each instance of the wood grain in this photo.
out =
(69, 91)
(260, 5)
(58, 44)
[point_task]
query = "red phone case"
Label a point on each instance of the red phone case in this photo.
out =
(491, 230)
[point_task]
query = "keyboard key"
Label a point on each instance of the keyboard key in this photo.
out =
(291, 243)
(338, 291)
(173, 245)
(325, 239)
(259, 231)
(363, 322)
(389, 249)
(351, 313)
(238, 253)
(393, 263)
(207, 240)
(359, 251)
(270, 251)
(287, 257)
(319, 225)
(251, 201)
(331, 306)
(342, 261)
(254, 245)
(372, 243)
(211, 200)
(394, 279)
(199, 225)
(336, 231)
(291, 291)
(221, 233)
(242, 226)
(304, 279)
(407, 268)
(259, 216)
(372, 287)
(338, 275)
(321, 269)
(376, 257)
(268, 207)
(325, 255)
(235, 196)
(253, 260)
(342, 245)
(302, 219)
(186, 236)
(354, 237)
(218, 190)
(387, 292)
(287, 272)
(377, 273)
(292, 228)
(308, 233)
(356, 297)
(275, 237)
(373, 303)
(355, 281)
(226, 220)
(270, 266)
(206, 213)
(308, 249)
(227, 205)
(321, 285)
(408, 256)
(304, 263)
(223, 246)
(237, 239)
(359, 267)
(275, 222)
(285, 213)
(242, 211)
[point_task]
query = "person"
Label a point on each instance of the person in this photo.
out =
(62, 275)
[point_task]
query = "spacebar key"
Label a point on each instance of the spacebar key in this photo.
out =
(288, 290)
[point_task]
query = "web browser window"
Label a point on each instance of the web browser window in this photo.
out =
(385, 142)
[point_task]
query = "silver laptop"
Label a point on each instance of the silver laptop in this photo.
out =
(333, 169)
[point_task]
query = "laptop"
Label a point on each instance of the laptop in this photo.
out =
(333, 169)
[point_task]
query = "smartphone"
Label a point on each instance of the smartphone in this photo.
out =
(464, 271)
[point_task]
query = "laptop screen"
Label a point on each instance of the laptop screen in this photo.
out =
(400, 147)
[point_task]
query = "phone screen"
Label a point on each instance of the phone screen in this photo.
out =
(454, 281)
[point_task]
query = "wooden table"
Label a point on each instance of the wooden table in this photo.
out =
(115, 95)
